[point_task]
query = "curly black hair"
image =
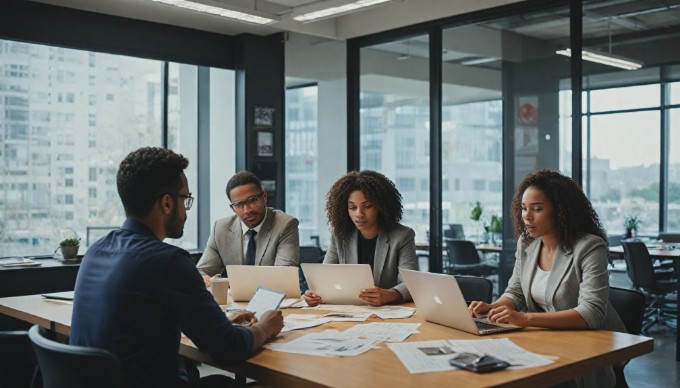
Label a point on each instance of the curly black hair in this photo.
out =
(243, 178)
(376, 187)
(145, 175)
(574, 214)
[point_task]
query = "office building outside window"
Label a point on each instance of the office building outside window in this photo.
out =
(302, 162)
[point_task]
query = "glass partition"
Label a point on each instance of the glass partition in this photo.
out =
(394, 122)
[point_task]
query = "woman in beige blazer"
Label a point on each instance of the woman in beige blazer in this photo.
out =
(560, 278)
(364, 209)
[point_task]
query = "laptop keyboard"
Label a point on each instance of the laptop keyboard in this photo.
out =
(486, 326)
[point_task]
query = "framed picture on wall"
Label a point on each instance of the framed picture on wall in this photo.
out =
(264, 116)
(265, 144)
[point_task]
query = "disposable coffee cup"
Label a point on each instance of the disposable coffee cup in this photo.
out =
(219, 287)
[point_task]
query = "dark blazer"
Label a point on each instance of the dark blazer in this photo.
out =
(393, 250)
(277, 243)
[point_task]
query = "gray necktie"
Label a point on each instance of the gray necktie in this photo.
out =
(250, 252)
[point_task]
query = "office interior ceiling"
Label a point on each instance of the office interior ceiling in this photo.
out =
(394, 14)
(608, 25)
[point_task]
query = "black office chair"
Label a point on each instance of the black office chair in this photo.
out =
(475, 288)
(455, 231)
(630, 305)
(18, 366)
(463, 259)
(641, 273)
(311, 254)
(68, 366)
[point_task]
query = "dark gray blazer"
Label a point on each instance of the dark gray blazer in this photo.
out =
(393, 250)
(277, 243)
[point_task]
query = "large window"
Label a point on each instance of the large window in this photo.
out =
(302, 161)
(395, 122)
(67, 119)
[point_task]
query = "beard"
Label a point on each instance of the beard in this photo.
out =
(174, 227)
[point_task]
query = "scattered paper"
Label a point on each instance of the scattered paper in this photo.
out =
(378, 331)
(417, 361)
(393, 312)
(302, 321)
(348, 317)
(326, 343)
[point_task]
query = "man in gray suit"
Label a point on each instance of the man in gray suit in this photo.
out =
(255, 235)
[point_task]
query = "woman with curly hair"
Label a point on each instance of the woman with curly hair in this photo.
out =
(560, 278)
(364, 209)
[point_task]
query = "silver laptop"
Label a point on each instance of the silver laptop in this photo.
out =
(245, 279)
(439, 299)
(338, 283)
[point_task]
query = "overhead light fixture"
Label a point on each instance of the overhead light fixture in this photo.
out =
(225, 10)
(605, 59)
(324, 9)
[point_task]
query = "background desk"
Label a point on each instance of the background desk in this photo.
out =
(578, 352)
(661, 254)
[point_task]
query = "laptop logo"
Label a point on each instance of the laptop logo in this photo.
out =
(338, 286)
(437, 300)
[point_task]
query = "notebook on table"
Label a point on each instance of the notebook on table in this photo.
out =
(245, 279)
(439, 299)
(338, 283)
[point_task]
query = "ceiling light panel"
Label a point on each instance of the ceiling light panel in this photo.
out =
(605, 59)
(325, 9)
(224, 10)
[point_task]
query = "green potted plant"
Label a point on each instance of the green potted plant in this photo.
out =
(496, 228)
(631, 223)
(69, 247)
(476, 212)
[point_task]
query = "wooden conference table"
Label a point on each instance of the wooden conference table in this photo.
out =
(660, 251)
(576, 352)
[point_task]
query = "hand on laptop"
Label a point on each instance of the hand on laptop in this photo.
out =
(311, 298)
(478, 308)
(376, 296)
(505, 314)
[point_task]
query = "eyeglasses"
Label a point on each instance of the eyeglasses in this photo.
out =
(188, 199)
(251, 201)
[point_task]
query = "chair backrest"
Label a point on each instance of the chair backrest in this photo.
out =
(639, 263)
(475, 288)
(455, 231)
(311, 254)
(670, 237)
(18, 364)
(461, 251)
(630, 305)
(64, 365)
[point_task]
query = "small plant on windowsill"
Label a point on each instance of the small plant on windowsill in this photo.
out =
(69, 247)
(632, 223)
(496, 229)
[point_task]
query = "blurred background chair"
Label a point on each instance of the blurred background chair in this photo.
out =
(630, 305)
(475, 288)
(463, 259)
(455, 231)
(63, 365)
(670, 237)
(659, 307)
(18, 366)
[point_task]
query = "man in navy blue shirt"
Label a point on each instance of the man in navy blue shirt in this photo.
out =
(135, 294)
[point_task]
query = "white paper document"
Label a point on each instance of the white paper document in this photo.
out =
(417, 361)
(393, 312)
(384, 312)
(326, 343)
(302, 321)
(348, 316)
(378, 331)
